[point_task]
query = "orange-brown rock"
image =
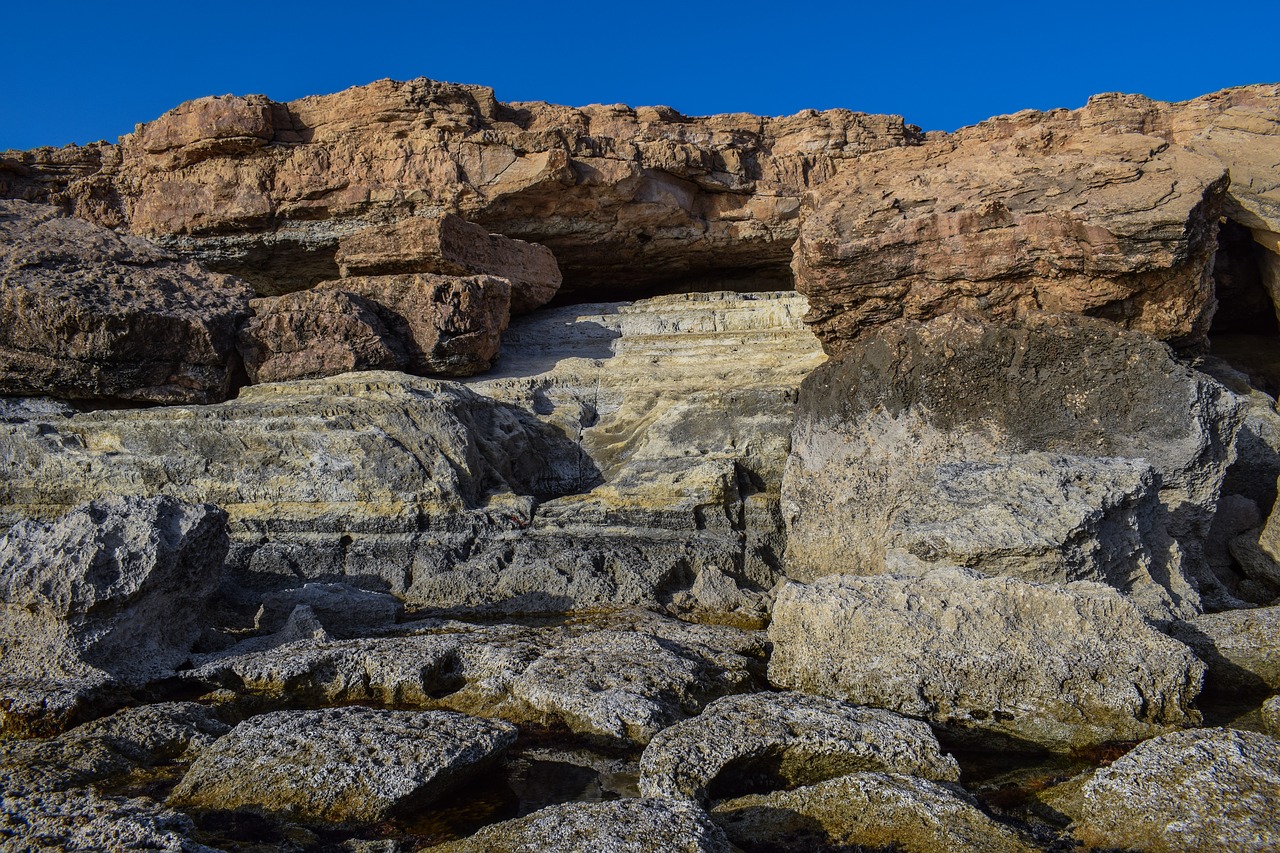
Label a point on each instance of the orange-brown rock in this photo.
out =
(449, 245)
(315, 333)
(448, 325)
(87, 314)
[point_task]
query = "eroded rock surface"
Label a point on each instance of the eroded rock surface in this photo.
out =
(1060, 450)
(1241, 647)
(1061, 667)
(112, 594)
(359, 764)
(1210, 789)
(867, 811)
(789, 738)
(88, 314)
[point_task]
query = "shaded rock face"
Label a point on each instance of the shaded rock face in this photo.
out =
(789, 738)
(360, 764)
(449, 245)
(1241, 648)
(867, 811)
(1059, 667)
(1058, 450)
(1212, 789)
(87, 314)
(111, 594)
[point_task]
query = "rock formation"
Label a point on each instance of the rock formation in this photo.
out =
(1027, 504)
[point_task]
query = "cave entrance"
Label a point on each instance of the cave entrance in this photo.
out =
(1245, 332)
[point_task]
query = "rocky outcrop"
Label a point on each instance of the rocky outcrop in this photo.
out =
(1052, 666)
(634, 826)
(112, 594)
(87, 314)
(1212, 789)
(359, 764)
(1241, 648)
(420, 323)
(1271, 716)
(787, 739)
(449, 245)
(1058, 450)
(867, 811)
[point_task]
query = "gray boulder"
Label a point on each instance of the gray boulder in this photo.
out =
(786, 739)
(1000, 658)
(1210, 789)
(341, 765)
(1241, 647)
(113, 594)
(1060, 450)
(619, 826)
(84, 821)
(867, 811)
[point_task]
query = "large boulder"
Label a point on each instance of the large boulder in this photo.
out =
(866, 811)
(1210, 789)
(987, 657)
(782, 740)
(449, 245)
(341, 765)
(1241, 648)
(87, 314)
(625, 826)
(113, 594)
(1057, 450)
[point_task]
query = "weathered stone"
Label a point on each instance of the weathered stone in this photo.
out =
(86, 314)
(207, 127)
(449, 245)
(342, 609)
(341, 764)
(316, 333)
(1061, 667)
(82, 819)
(867, 811)
(1211, 789)
(789, 739)
(447, 325)
(1271, 716)
(1241, 647)
(619, 826)
(1058, 450)
(111, 594)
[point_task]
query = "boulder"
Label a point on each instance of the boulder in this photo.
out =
(113, 594)
(782, 740)
(83, 819)
(866, 811)
(315, 333)
(1210, 789)
(625, 826)
(1271, 716)
(1057, 450)
(87, 314)
(359, 764)
(1241, 648)
(446, 244)
(1058, 667)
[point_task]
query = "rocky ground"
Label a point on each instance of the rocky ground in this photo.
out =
(401, 469)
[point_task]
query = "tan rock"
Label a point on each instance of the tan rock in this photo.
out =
(449, 245)
(208, 127)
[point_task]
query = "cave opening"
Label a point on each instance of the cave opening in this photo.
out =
(1245, 332)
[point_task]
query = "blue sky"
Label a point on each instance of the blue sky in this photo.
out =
(77, 72)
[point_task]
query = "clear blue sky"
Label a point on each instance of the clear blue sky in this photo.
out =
(76, 71)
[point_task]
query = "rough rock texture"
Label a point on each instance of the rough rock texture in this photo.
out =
(342, 609)
(622, 196)
(111, 594)
(86, 314)
(341, 764)
(615, 680)
(1241, 647)
(1271, 716)
(785, 739)
(1059, 667)
(620, 826)
(449, 245)
(425, 324)
(1058, 450)
(83, 820)
(866, 811)
(1212, 789)
(375, 479)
